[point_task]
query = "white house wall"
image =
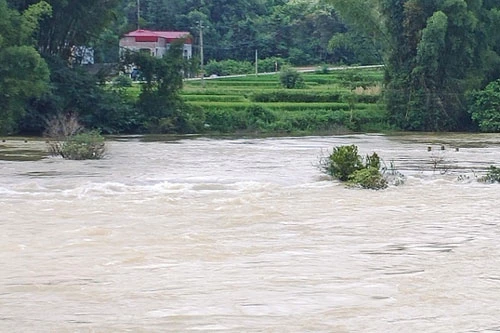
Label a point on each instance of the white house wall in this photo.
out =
(158, 49)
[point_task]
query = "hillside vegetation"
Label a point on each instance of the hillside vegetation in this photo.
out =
(340, 100)
(441, 63)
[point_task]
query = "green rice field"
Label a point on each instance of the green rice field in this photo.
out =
(340, 99)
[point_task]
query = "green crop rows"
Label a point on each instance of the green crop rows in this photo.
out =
(348, 98)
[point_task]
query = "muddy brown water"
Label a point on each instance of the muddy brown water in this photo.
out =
(247, 235)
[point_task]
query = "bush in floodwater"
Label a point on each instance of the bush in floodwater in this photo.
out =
(66, 138)
(492, 176)
(83, 146)
(369, 178)
(345, 164)
(392, 175)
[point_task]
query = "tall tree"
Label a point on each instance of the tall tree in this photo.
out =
(23, 74)
(434, 52)
(159, 102)
(74, 23)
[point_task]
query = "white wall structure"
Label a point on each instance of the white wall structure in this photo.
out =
(155, 42)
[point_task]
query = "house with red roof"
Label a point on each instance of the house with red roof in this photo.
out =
(155, 42)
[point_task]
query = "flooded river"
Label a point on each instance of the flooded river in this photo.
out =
(247, 235)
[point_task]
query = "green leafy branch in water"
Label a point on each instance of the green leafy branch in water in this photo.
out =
(492, 176)
(346, 165)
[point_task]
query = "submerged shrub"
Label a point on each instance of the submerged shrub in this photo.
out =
(492, 176)
(369, 178)
(83, 146)
(372, 161)
(392, 175)
(345, 164)
(67, 138)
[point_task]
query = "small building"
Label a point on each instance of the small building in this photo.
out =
(156, 42)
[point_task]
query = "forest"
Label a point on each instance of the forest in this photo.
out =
(441, 58)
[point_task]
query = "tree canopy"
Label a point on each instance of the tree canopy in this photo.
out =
(299, 30)
(434, 52)
(23, 74)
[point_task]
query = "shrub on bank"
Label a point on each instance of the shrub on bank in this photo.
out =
(484, 106)
(273, 64)
(291, 79)
(258, 117)
(225, 120)
(266, 118)
(228, 67)
(299, 96)
(311, 96)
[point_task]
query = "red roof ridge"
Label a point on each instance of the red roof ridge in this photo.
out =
(160, 33)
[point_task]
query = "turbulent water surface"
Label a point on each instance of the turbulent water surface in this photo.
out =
(247, 235)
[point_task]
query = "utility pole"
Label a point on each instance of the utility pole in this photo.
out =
(138, 14)
(256, 63)
(201, 55)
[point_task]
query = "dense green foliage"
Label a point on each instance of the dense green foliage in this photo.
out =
(228, 67)
(492, 175)
(485, 107)
(48, 80)
(159, 101)
(291, 79)
(345, 164)
(38, 89)
(343, 161)
(369, 178)
(296, 30)
(23, 72)
(73, 90)
(434, 52)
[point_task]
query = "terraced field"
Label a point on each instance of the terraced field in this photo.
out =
(349, 98)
